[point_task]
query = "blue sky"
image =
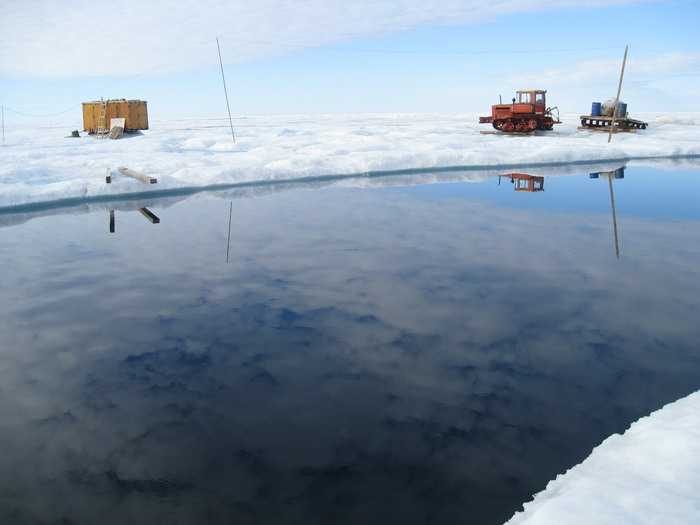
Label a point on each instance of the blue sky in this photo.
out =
(362, 58)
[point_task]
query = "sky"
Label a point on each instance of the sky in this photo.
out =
(344, 56)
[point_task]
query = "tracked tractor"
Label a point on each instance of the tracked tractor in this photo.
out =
(527, 113)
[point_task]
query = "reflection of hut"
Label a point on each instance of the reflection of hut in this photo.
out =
(524, 182)
(97, 115)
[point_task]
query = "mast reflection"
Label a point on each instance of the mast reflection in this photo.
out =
(619, 173)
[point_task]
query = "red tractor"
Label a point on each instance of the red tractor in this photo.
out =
(528, 113)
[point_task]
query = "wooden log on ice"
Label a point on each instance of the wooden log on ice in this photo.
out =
(136, 175)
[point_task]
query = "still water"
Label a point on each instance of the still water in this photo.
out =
(396, 353)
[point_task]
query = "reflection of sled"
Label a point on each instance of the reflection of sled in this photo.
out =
(525, 182)
(619, 173)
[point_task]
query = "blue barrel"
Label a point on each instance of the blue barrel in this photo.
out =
(621, 109)
(596, 109)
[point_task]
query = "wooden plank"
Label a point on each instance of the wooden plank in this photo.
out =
(112, 111)
(88, 117)
(596, 117)
(606, 129)
(136, 115)
(136, 175)
(143, 119)
(150, 215)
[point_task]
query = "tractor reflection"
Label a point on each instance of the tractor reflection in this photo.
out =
(523, 182)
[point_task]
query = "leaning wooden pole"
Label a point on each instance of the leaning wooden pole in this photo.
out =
(223, 80)
(617, 98)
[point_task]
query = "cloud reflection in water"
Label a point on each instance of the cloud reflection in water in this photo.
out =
(366, 356)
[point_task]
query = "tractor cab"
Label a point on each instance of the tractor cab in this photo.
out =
(530, 101)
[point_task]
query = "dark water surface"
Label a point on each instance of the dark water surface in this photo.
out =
(428, 354)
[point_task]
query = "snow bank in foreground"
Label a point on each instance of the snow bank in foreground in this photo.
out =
(651, 474)
(42, 165)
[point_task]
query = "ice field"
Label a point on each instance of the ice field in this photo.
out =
(41, 164)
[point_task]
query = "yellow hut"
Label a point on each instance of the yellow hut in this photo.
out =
(97, 115)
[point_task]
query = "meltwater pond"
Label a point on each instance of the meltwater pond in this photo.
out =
(387, 354)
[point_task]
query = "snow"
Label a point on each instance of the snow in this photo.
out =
(42, 165)
(651, 474)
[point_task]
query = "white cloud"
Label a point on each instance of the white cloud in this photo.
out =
(588, 72)
(80, 37)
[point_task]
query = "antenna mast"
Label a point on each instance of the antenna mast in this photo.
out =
(223, 80)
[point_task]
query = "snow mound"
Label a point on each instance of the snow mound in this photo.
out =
(651, 474)
(42, 165)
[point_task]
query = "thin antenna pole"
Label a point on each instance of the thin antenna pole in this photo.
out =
(223, 80)
(614, 214)
(228, 244)
(619, 91)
